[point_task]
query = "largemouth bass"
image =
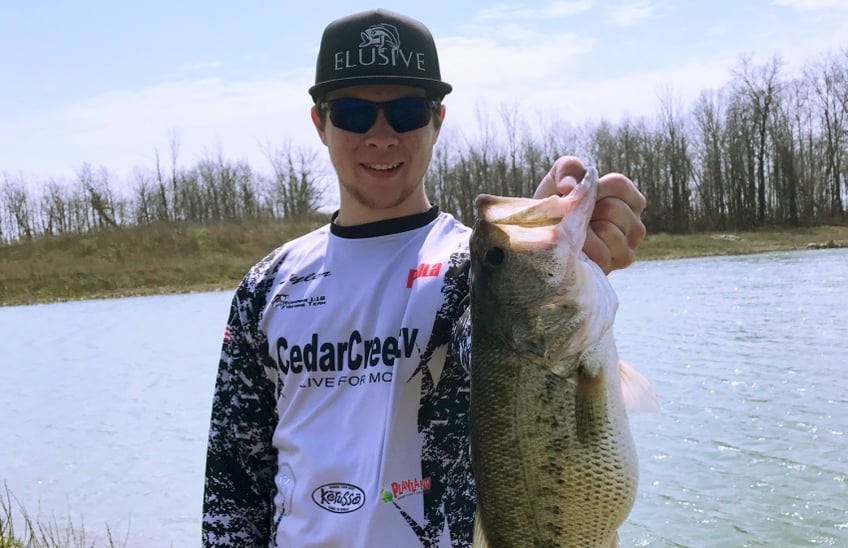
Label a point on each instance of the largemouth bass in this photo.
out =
(551, 449)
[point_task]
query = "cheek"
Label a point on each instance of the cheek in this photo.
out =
(339, 141)
(423, 143)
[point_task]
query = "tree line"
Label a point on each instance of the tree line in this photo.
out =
(763, 150)
(213, 190)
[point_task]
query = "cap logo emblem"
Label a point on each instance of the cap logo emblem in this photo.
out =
(383, 35)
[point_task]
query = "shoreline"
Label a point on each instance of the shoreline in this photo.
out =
(183, 260)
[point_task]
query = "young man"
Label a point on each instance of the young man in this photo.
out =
(339, 415)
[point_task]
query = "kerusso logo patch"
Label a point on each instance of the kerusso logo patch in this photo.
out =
(380, 46)
(339, 498)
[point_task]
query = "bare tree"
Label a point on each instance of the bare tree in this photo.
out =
(54, 208)
(678, 164)
(709, 120)
(100, 195)
(18, 208)
(294, 191)
(829, 78)
(761, 86)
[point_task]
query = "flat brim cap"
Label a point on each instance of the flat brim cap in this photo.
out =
(377, 47)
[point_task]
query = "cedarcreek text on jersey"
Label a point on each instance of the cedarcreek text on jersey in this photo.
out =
(352, 354)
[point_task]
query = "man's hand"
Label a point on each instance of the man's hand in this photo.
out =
(616, 228)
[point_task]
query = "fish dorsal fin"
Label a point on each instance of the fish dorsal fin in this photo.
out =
(637, 390)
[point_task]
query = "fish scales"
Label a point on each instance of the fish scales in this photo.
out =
(553, 458)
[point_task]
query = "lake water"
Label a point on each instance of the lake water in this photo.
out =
(104, 405)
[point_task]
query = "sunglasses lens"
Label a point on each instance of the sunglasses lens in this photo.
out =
(353, 115)
(408, 114)
(359, 115)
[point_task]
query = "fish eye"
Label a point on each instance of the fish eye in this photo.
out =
(495, 256)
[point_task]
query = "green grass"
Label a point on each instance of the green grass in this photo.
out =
(184, 258)
(137, 261)
(44, 533)
(676, 246)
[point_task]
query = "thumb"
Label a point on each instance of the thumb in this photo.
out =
(566, 185)
(562, 178)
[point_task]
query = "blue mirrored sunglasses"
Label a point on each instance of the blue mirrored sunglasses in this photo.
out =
(359, 115)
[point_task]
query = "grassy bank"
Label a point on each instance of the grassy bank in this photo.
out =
(137, 261)
(677, 246)
(45, 533)
(175, 259)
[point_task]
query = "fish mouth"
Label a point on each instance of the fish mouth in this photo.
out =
(534, 213)
(531, 224)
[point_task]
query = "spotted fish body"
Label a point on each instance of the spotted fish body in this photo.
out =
(552, 454)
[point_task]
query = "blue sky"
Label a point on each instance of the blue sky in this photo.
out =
(109, 83)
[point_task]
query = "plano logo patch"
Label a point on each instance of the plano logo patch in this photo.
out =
(339, 498)
(401, 489)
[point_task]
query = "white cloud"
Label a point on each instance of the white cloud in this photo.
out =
(813, 5)
(487, 64)
(551, 10)
(544, 75)
(543, 91)
(201, 66)
(630, 14)
(122, 129)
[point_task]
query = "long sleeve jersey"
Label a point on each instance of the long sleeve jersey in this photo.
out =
(339, 415)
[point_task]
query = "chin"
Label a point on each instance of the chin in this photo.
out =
(374, 198)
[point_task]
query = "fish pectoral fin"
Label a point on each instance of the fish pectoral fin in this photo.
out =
(479, 540)
(637, 390)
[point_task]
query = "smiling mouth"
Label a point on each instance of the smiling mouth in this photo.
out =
(382, 167)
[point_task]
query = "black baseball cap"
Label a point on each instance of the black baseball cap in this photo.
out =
(377, 47)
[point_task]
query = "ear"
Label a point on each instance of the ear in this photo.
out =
(442, 111)
(319, 125)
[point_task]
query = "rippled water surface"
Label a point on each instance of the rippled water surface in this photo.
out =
(105, 404)
(748, 355)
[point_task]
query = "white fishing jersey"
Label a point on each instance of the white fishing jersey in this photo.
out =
(340, 413)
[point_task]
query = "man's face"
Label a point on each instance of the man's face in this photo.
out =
(381, 172)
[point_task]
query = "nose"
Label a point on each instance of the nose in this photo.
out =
(381, 134)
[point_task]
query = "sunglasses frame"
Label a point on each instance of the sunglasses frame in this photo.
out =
(386, 106)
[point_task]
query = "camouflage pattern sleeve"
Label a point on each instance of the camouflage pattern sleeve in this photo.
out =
(461, 337)
(241, 461)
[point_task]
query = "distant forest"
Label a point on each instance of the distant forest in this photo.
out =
(764, 150)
